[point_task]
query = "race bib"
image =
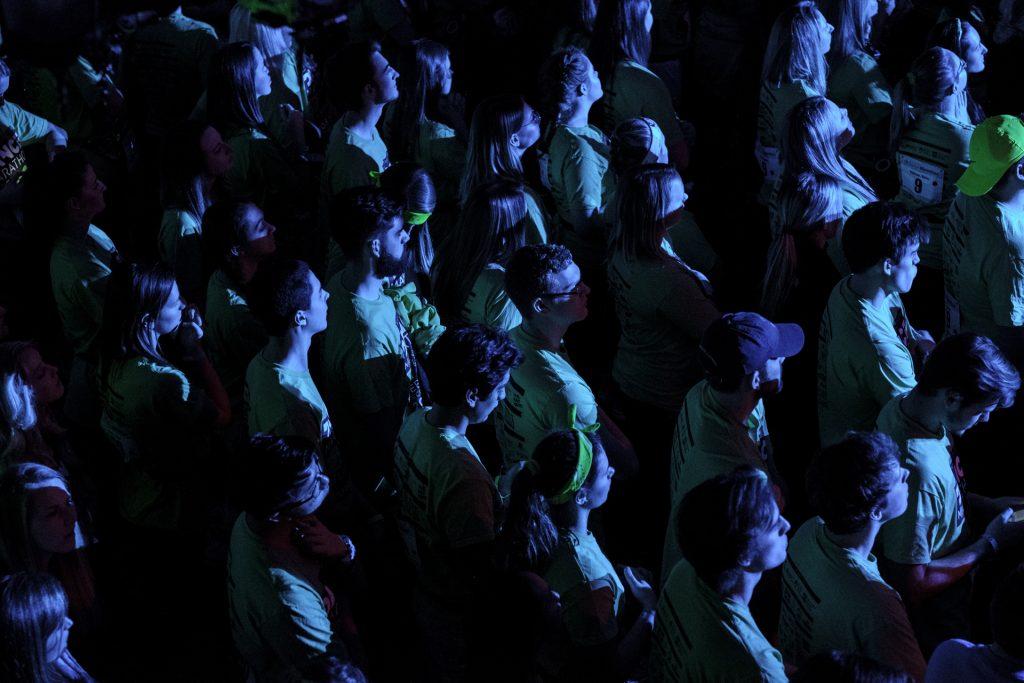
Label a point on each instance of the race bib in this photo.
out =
(770, 161)
(921, 180)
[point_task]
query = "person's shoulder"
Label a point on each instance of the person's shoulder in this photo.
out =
(435, 130)
(862, 61)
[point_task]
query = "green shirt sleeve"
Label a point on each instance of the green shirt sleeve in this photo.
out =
(895, 373)
(581, 175)
(29, 127)
(1005, 275)
(588, 610)
(909, 539)
(466, 510)
(181, 249)
(886, 636)
(302, 630)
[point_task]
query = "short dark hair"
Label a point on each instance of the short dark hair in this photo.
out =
(1007, 606)
(973, 367)
(717, 520)
(360, 215)
(279, 289)
(881, 230)
(468, 357)
(348, 72)
(528, 271)
(835, 665)
(272, 465)
(847, 480)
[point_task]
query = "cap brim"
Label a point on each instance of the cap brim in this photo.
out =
(791, 339)
(975, 184)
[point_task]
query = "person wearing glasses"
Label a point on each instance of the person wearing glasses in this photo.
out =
(545, 392)
(280, 609)
(983, 238)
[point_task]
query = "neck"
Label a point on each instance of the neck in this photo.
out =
(924, 410)
(77, 227)
(859, 542)
(743, 589)
(578, 520)
(246, 268)
(359, 278)
(290, 350)
(866, 286)
(549, 331)
(444, 417)
(271, 532)
(1011, 194)
(580, 113)
(365, 119)
(739, 404)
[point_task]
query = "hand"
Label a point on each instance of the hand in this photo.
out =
(70, 669)
(1005, 532)
(312, 537)
(189, 332)
(638, 580)
(925, 342)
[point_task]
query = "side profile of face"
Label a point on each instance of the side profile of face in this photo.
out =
(895, 503)
(769, 379)
(528, 133)
(169, 316)
(902, 273)
(385, 80)
(41, 377)
(959, 417)
(90, 200)
(57, 641)
(768, 546)
(316, 314)
(593, 82)
(261, 78)
(216, 153)
(485, 405)
(974, 50)
(845, 127)
(447, 76)
(389, 249)
(51, 520)
(599, 483)
(259, 233)
(825, 31)
(566, 298)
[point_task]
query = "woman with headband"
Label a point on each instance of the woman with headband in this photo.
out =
(546, 530)
(282, 613)
(961, 38)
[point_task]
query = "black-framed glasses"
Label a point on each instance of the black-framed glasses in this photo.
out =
(575, 291)
(533, 118)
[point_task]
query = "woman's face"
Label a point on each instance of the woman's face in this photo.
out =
(262, 76)
(216, 153)
(41, 376)
(825, 30)
(259, 234)
(51, 520)
(600, 480)
(974, 50)
(447, 74)
(529, 132)
(57, 642)
(844, 125)
(593, 80)
(169, 316)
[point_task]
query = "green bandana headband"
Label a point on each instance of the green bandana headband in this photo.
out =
(374, 178)
(415, 217)
(583, 464)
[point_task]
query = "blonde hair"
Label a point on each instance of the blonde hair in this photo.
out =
(794, 49)
(929, 81)
(852, 28)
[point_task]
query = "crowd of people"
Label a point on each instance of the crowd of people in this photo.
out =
(428, 340)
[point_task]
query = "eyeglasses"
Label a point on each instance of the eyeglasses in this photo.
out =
(532, 119)
(575, 291)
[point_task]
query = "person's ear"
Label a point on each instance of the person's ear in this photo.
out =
(369, 93)
(1020, 171)
(514, 140)
(147, 321)
(581, 497)
(755, 380)
(745, 559)
(235, 251)
(887, 266)
(300, 318)
(582, 89)
(876, 513)
(538, 305)
(472, 396)
(375, 248)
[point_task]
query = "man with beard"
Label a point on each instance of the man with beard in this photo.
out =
(722, 424)
(369, 367)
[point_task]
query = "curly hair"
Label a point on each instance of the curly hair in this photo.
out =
(469, 357)
(361, 215)
(277, 291)
(560, 75)
(528, 271)
(849, 479)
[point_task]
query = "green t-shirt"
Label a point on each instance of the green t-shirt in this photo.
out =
(663, 307)
(864, 360)
(536, 218)
(181, 237)
(538, 398)
(231, 333)
(260, 172)
(708, 441)
(443, 155)
(374, 18)
(701, 636)
(160, 425)
(933, 525)
(364, 359)
(775, 103)
(279, 620)
(689, 243)
(834, 599)
(983, 266)
(284, 402)
(350, 158)
(447, 500)
(933, 154)
(29, 127)
(859, 85)
(169, 61)
(79, 269)
(488, 303)
(581, 185)
(417, 315)
(590, 590)
(633, 91)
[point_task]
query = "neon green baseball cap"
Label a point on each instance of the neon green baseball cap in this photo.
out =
(996, 144)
